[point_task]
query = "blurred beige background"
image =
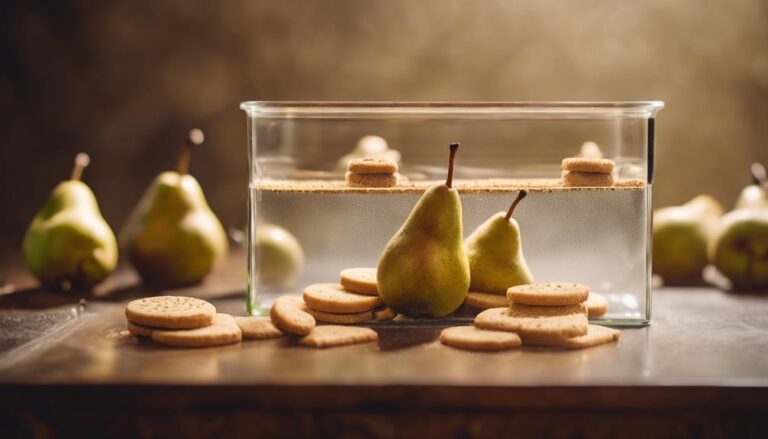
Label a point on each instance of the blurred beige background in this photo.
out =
(124, 80)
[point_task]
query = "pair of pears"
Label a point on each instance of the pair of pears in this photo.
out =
(426, 269)
(171, 238)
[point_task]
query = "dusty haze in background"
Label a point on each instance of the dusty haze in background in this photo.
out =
(124, 80)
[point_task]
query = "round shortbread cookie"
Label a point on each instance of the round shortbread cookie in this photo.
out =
(139, 330)
(596, 335)
(170, 312)
(340, 319)
(258, 327)
(371, 180)
(548, 294)
(332, 335)
(584, 164)
(385, 313)
(334, 298)
(223, 331)
(561, 321)
(486, 300)
(360, 280)
(288, 314)
(586, 179)
(597, 305)
(471, 338)
(372, 166)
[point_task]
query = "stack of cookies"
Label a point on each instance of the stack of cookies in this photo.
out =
(585, 172)
(354, 300)
(181, 321)
(374, 173)
(547, 314)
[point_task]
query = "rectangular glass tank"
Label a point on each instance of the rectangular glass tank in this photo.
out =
(596, 235)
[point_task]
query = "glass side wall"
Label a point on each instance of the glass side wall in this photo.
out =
(307, 224)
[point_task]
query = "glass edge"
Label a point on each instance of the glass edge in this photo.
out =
(276, 108)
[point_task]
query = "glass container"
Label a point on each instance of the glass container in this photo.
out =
(597, 235)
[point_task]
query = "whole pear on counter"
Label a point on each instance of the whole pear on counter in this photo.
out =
(495, 254)
(756, 194)
(172, 237)
(739, 249)
(424, 269)
(279, 255)
(68, 245)
(680, 237)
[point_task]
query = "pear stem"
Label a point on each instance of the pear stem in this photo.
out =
(454, 147)
(81, 162)
(520, 196)
(195, 137)
(759, 175)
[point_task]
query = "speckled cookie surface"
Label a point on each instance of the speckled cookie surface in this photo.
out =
(586, 179)
(562, 321)
(334, 298)
(585, 164)
(596, 335)
(472, 338)
(486, 300)
(332, 335)
(223, 331)
(170, 312)
(548, 294)
(360, 280)
(258, 327)
(371, 180)
(287, 314)
(597, 305)
(372, 166)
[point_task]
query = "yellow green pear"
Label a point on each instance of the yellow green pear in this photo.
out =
(739, 249)
(495, 253)
(279, 255)
(424, 270)
(756, 194)
(69, 245)
(172, 237)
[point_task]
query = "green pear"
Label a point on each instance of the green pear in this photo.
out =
(739, 249)
(680, 236)
(424, 269)
(172, 237)
(756, 194)
(279, 255)
(69, 245)
(495, 254)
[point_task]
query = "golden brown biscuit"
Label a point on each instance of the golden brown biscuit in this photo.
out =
(340, 319)
(334, 298)
(371, 180)
(486, 300)
(585, 164)
(562, 321)
(597, 305)
(360, 280)
(139, 330)
(332, 335)
(586, 179)
(372, 166)
(223, 331)
(471, 338)
(258, 327)
(548, 294)
(596, 335)
(287, 314)
(170, 312)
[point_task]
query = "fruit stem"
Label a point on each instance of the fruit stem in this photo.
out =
(81, 162)
(195, 137)
(520, 196)
(759, 175)
(454, 147)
